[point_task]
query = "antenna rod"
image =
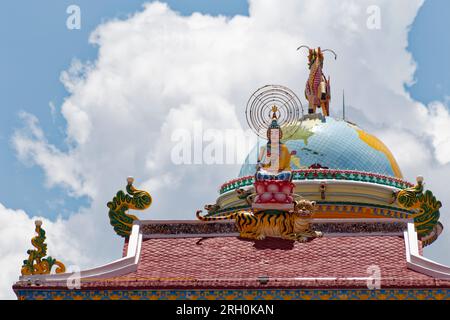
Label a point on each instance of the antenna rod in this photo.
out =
(343, 104)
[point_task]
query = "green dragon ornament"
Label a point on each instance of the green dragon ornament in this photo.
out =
(121, 221)
(425, 209)
(36, 262)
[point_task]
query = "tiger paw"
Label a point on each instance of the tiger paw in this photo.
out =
(302, 239)
(319, 234)
(260, 237)
(247, 235)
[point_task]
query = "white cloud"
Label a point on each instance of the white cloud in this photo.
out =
(158, 71)
(32, 147)
(438, 127)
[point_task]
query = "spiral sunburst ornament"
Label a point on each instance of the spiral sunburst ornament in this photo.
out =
(262, 104)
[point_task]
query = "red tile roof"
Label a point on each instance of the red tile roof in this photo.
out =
(230, 262)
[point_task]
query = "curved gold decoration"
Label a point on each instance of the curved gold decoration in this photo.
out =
(36, 262)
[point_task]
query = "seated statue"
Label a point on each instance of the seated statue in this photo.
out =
(272, 171)
(273, 178)
(274, 164)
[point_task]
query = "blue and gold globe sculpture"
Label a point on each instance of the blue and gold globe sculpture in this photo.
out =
(335, 144)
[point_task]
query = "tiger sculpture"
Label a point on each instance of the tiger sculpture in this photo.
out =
(270, 223)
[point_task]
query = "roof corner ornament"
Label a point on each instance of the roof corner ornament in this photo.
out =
(121, 221)
(425, 208)
(37, 263)
(317, 90)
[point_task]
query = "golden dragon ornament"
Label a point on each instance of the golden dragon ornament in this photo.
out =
(425, 208)
(119, 218)
(37, 263)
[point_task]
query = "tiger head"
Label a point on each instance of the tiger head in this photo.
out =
(304, 208)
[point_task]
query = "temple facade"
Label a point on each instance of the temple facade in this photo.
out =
(319, 210)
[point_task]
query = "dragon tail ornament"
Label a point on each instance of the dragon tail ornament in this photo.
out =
(425, 208)
(119, 218)
(37, 263)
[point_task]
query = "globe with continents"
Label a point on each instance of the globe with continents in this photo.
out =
(334, 144)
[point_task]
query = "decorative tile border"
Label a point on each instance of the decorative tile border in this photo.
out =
(360, 227)
(319, 174)
(188, 228)
(194, 229)
(344, 208)
(249, 294)
(358, 207)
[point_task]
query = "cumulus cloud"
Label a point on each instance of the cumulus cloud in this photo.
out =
(32, 147)
(158, 72)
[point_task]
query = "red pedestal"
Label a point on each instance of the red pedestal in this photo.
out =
(274, 194)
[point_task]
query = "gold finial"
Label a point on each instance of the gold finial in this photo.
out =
(36, 262)
(419, 179)
(274, 112)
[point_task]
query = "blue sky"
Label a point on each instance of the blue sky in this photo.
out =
(39, 46)
(430, 45)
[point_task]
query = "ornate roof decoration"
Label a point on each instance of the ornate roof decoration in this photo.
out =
(37, 263)
(317, 90)
(121, 221)
(425, 209)
(320, 174)
(289, 225)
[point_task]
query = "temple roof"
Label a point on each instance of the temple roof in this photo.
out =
(188, 256)
(335, 262)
